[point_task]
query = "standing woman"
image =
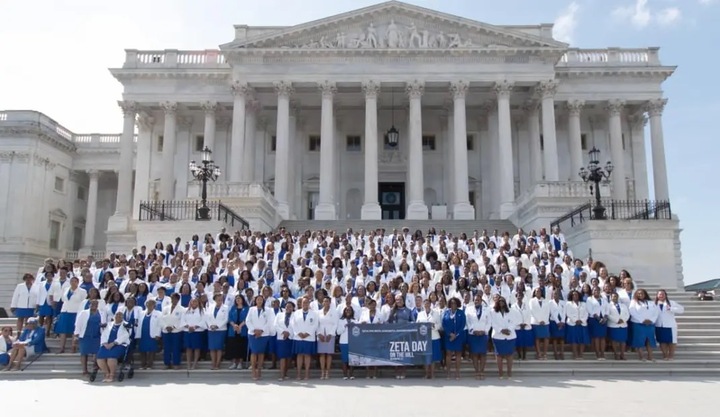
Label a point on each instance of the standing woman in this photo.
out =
(401, 314)
(237, 341)
(258, 324)
(643, 315)
(327, 327)
(618, 317)
(172, 332)
(193, 324)
(503, 335)
(24, 301)
(217, 320)
(523, 330)
(666, 325)
(348, 318)
(370, 315)
(453, 323)
(557, 324)
(576, 333)
(478, 325)
(73, 298)
(598, 310)
(540, 321)
(305, 328)
(49, 292)
(113, 342)
(88, 329)
(149, 330)
(284, 342)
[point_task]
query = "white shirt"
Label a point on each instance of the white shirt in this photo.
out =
(502, 321)
(262, 320)
(575, 312)
(24, 297)
(305, 322)
(643, 310)
(172, 318)
(193, 317)
(614, 316)
(474, 323)
(73, 303)
(220, 320)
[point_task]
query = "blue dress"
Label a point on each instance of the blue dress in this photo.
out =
(478, 344)
(454, 323)
(46, 310)
(185, 300)
(147, 342)
(66, 322)
(216, 338)
(117, 351)
(5, 357)
(90, 341)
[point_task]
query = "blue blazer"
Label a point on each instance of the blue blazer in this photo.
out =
(233, 317)
(456, 326)
(37, 340)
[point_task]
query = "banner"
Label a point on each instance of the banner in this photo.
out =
(389, 344)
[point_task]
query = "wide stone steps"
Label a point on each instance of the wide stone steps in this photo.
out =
(450, 226)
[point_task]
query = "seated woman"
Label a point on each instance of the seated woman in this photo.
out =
(6, 342)
(113, 342)
(30, 342)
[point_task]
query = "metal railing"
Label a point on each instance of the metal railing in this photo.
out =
(188, 210)
(229, 217)
(618, 210)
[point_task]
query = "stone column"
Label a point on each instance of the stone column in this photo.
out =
(292, 158)
(142, 162)
(371, 209)
(462, 209)
(533, 127)
(655, 109)
(416, 209)
(167, 181)
(91, 214)
(574, 109)
(252, 107)
(506, 171)
(282, 155)
(448, 121)
(240, 92)
(619, 187)
(210, 109)
(637, 124)
(325, 209)
(547, 90)
(123, 205)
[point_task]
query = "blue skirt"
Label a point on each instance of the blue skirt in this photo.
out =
(89, 345)
(478, 344)
(116, 352)
(437, 352)
(504, 347)
(303, 347)
(284, 348)
(541, 331)
(4, 359)
(525, 338)
(577, 335)
(65, 323)
(193, 340)
(147, 345)
(216, 339)
(596, 329)
(455, 345)
(344, 353)
(258, 344)
(24, 313)
(618, 334)
(46, 310)
(641, 334)
(664, 335)
(557, 332)
(271, 346)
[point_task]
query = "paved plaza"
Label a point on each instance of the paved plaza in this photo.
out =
(539, 397)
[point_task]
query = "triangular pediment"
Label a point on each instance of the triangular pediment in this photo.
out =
(394, 25)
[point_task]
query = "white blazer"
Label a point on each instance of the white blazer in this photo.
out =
(194, 318)
(172, 318)
(221, 320)
(74, 303)
(641, 311)
(597, 306)
(522, 315)
(259, 320)
(328, 322)
(342, 330)
(123, 336)
(82, 319)
(557, 311)
(502, 321)
(624, 297)
(434, 318)
(575, 312)
(474, 323)
(614, 316)
(3, 345)
(281, 328)
(540, 310)
(45, 295)
(309, 324)
(155, 318)
(365, 317)
(24, 297)
(666, 316)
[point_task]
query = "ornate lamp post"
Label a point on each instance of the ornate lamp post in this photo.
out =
(393, 136)
(594, 173)
(205, 172)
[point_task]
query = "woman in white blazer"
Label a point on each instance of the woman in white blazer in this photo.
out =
(327, 329)
(540, 322)
(24, 301)
(284, 338)
(343, 326)
(371, 315)
(172, 332)
(503, 335)
(73, 299)
(88, 329)
(305, 327)
(643, 315)
(598, 309)
(217, 320)
(259, 321)
(523, 329)
(193, 325)
(576, 333)
(557, 324)
(427, 314)
(49, 293)
(618, 317)
(478, 329)
(148, 333)
(113, 342)
(666, 325)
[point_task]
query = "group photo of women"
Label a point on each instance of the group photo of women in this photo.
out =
(285, 301)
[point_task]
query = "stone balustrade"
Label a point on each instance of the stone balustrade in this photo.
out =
(610, 57)
(172, 58)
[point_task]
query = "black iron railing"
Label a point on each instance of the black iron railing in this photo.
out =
(618, 210)
(188, 210)
(229, 217)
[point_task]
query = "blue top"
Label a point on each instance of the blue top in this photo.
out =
(237, 316)
(92, 330)
(401, 316)
(454, 323)
(35, 338)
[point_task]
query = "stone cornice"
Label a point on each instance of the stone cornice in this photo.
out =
(38, 131)
(661, 73)
(172, 73)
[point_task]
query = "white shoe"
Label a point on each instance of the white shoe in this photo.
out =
(233, 366)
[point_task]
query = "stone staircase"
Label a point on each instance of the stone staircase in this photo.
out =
(451, 226)
(698, 353)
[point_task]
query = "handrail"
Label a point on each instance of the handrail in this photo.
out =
(618, 210)
(227, 215)
(188, 210)
(576, 213)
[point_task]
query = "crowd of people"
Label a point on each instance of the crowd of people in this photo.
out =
(290, 297)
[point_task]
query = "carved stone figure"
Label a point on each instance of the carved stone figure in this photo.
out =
(415, 40)
(455, 41)
(340, 40)
(371, 40)
(441, 40)
(393, 35)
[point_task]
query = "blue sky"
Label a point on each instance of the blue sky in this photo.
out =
(54, 57)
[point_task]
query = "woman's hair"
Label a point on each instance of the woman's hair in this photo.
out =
(501, 305)
(658, 293)
(646, 297)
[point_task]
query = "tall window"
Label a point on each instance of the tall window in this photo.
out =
(273, 144)
(542, 143)
(77, 237)
(54, 234)
(314, 143)
(353, 144)
(81, 193)
(583, 142)
(428, 142)
(470, 142)
(199, 143)
(59, 184)
(160, 141)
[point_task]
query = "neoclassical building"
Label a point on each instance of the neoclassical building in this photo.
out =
(393, 111)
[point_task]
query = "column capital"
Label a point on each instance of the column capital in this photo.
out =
(169, 107)
(145, 121)
(459, 89)
(129, 108)
(615, 107)
(656, 107)
(371, 89)
(503, 88)
(209, 107)
(93, 174)
(546, 89)
(253, 106)
(327, 88)
(637, 120)
(240, 88)
(283, 88)
(531, 107)
(574, 107)
(415, 89)
(489, 106)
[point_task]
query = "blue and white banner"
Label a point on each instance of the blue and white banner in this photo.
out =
(389, 344)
